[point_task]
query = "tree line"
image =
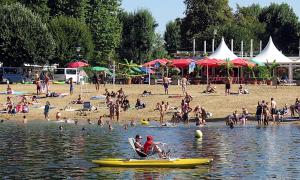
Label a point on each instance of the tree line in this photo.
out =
(207, 20)
(49, 31)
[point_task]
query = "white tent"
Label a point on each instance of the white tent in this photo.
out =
(271, 53)
(223, 52)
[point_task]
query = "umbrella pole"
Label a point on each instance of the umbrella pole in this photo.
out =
(80, 89)
(207, 74)
(238, 75)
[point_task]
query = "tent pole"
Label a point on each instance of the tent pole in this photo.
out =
(149, 75)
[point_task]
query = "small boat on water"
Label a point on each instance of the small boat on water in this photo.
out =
(150, 163)
(158, 163)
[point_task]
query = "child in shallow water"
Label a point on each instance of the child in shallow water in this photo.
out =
(46, 110)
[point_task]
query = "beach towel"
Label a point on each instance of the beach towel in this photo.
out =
(100, 97)
(42, 107)
(14, 93)
(58, 82)
(289, 119)
(2, 112)
(175, 96)
(70, 110)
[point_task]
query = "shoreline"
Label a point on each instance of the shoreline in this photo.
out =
(218, 104)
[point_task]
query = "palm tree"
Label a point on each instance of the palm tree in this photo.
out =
(228, 67)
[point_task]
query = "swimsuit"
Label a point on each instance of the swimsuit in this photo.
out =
(227, 86)
(273, 111)
(166, 85)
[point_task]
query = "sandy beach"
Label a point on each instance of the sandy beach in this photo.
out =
(218, 104)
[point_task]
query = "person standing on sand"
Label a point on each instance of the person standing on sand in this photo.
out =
(96, 81)
(71, 85)
(46, 110)
(183, 84)
(273, 110)
(38, 86)
(227, 86)
(166, 84)
(102, 78)
(47, 80)
(162, 112)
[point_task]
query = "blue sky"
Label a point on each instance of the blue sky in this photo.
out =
(166, 10)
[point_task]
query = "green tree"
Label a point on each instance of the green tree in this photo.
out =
(23, 37)
(127, 45)
(158, 48)
(138, 35)
(7, 2)
(283, 25)
(71, 8)
(246, 26)
(144, 30)
(69, 33)
(172, 35)
(200, 15)
(102, 18)
(39, 7)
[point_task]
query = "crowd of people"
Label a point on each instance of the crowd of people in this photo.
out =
(117, 102)
(18, 104)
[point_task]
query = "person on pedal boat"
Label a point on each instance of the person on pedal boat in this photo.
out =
(151, 147)
(137, 144)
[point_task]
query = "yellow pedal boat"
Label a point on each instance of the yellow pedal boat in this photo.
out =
(158, 163)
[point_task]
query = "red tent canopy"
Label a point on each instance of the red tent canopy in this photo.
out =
(77, 64)
(161, 61)
(242, 63)
(210, 62)
(181, 63)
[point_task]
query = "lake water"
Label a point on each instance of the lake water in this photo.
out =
(39, 150)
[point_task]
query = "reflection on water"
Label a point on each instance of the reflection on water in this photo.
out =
(40, 150)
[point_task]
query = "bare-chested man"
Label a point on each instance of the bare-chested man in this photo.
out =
(166, 84)
(183, 85)
(273, 110)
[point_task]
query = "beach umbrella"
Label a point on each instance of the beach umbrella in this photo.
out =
(181, 63)
(209, 63)
(98, 68)
(242, 63)
(160, 61)
(77, 64)
(146, 70)
(137, 70)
